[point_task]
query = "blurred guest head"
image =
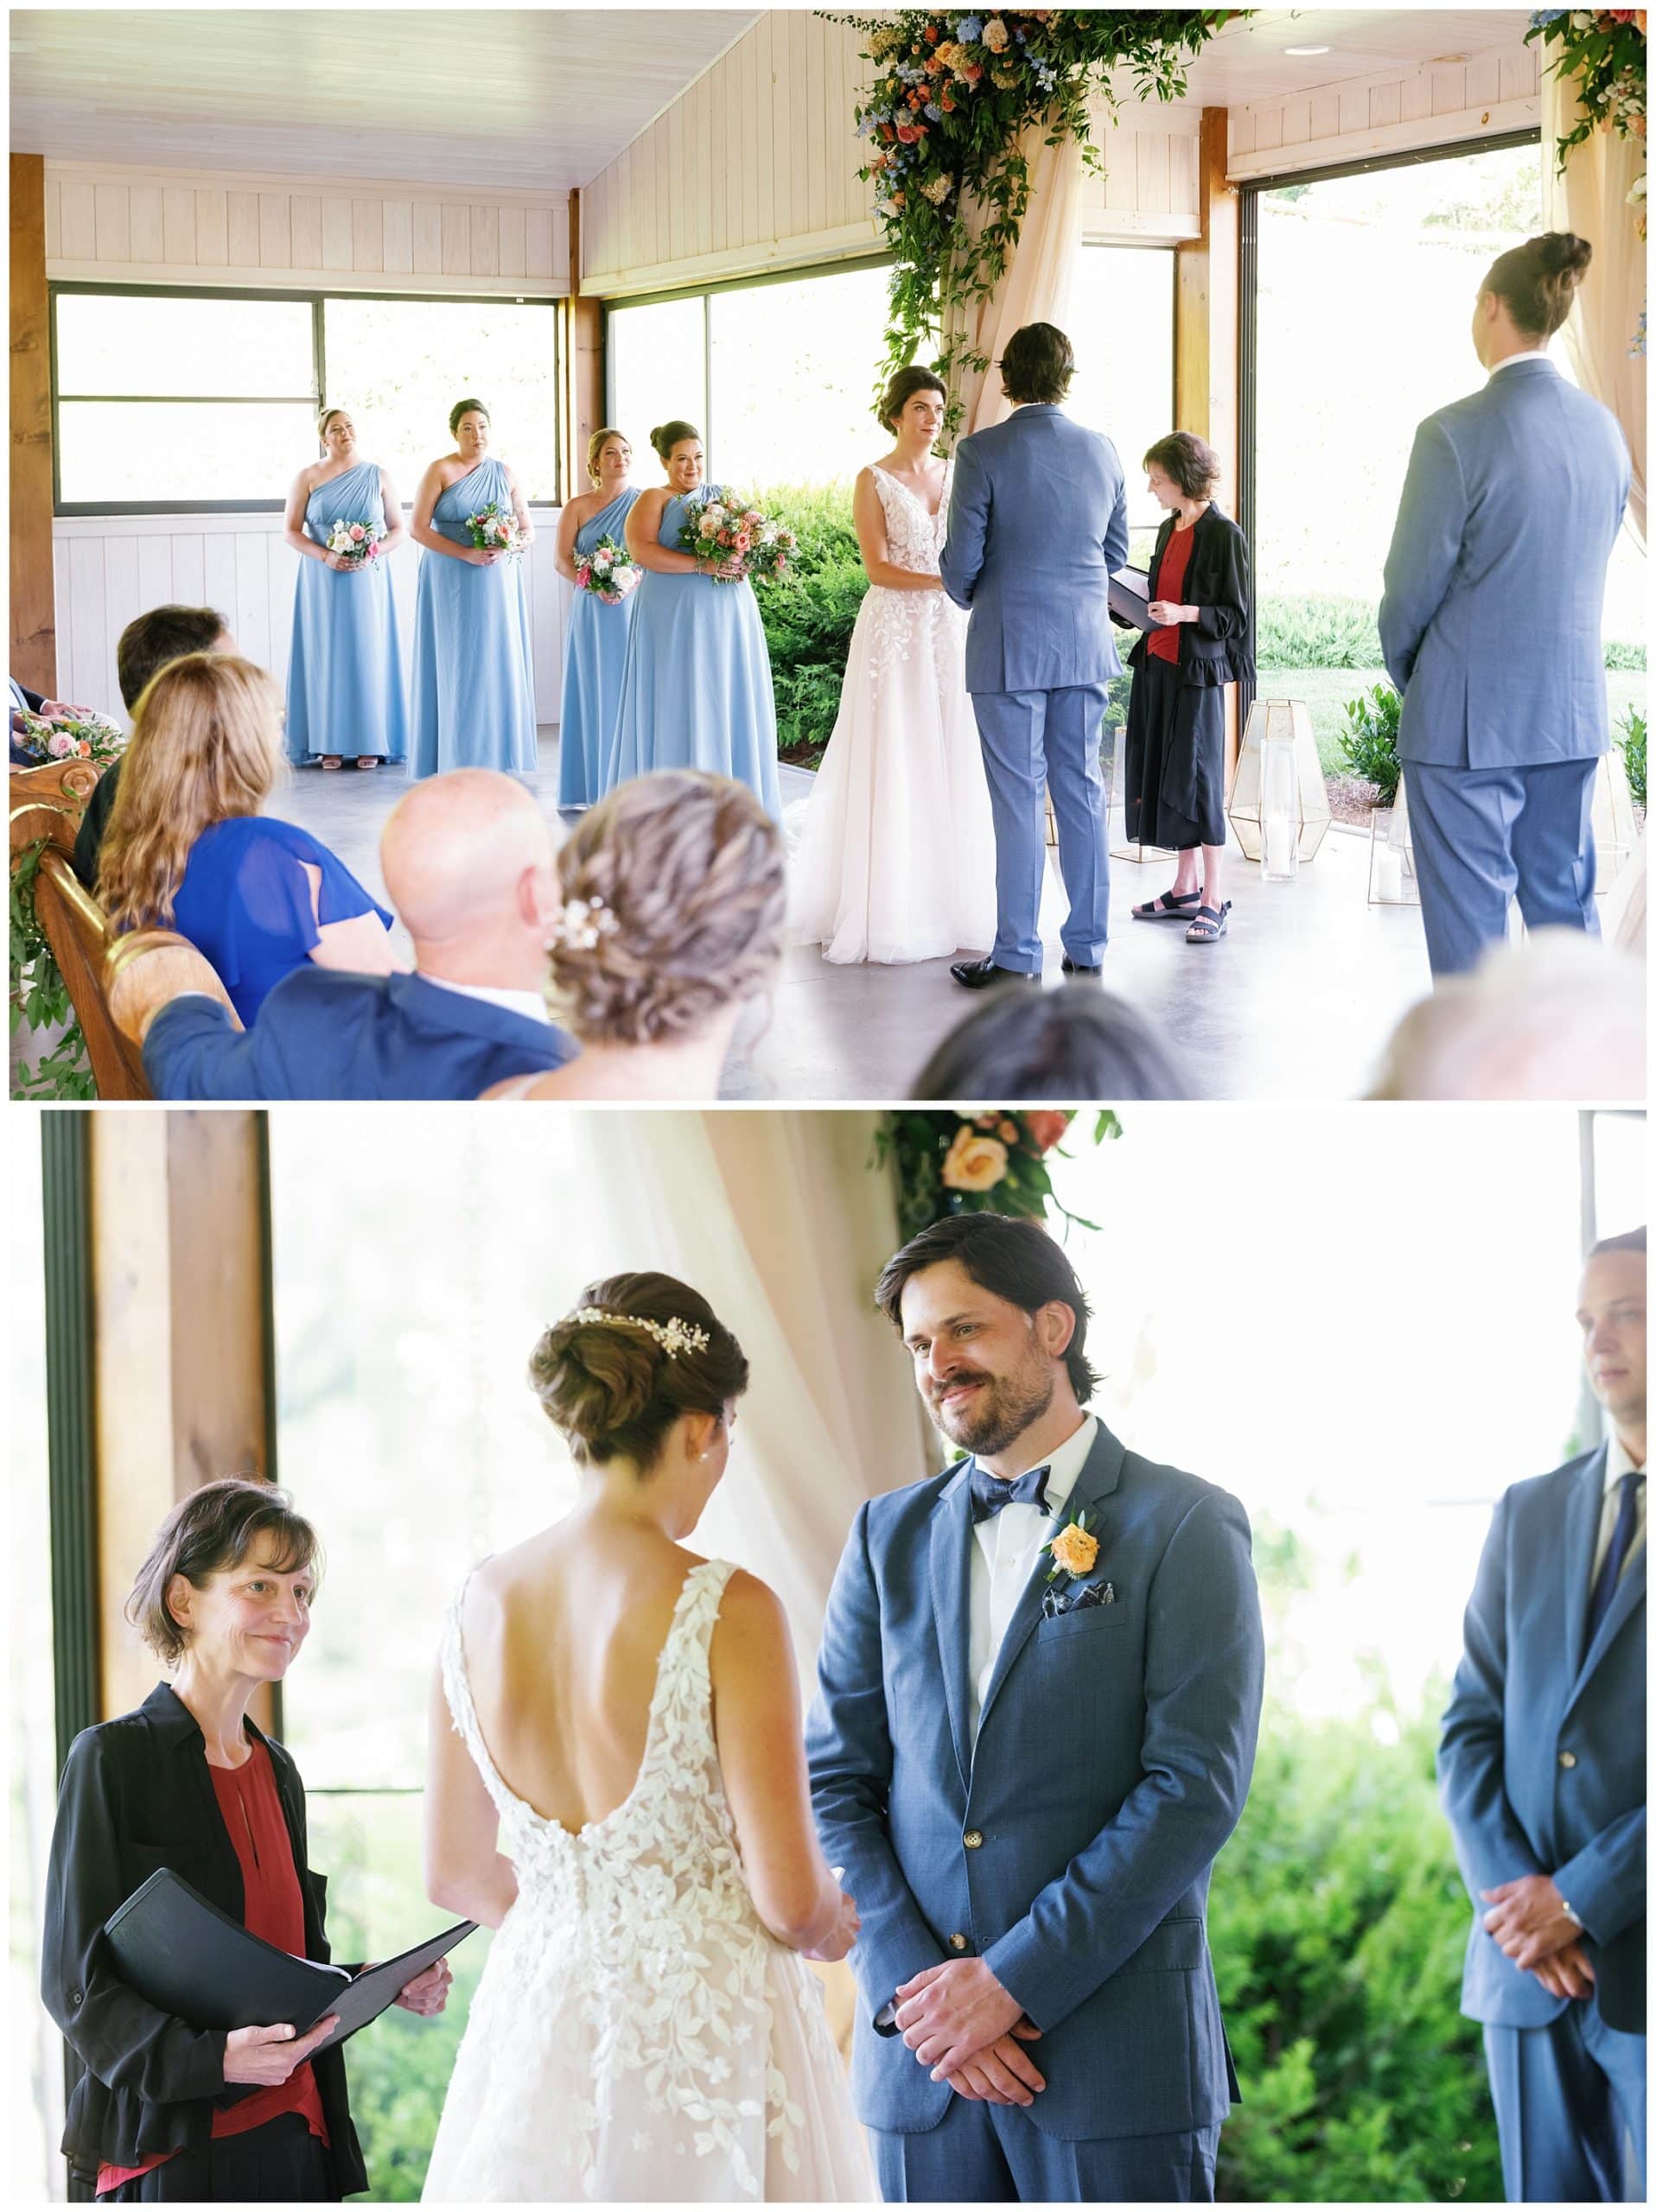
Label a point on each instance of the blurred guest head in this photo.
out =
(166, 633)
(1077, 1045)
(1528, 295)
(673, 898)
(205, 747)
(1561, 1016)
(228, 1582)
(1037, 365)
(1610, 1309)
(468, 863)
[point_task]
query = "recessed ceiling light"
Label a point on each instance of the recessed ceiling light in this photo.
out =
(1306, 49)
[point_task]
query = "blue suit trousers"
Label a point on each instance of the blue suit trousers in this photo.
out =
(1483, 836)
(995, 2154)
(1031, 740)
(1570, 2106)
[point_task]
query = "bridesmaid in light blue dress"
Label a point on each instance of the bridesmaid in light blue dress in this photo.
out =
(473, 689)
(594, 653)
(696, 692)
(345, 668)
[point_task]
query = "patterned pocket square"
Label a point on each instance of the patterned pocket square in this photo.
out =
(1077, 1599)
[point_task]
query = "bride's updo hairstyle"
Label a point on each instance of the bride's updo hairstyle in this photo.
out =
(612, 1390)
(1538, 279)
(464, 407)
(666, 435)
(901, 389)
(674, 896)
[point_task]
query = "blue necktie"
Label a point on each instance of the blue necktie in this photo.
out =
(989, 1493)
(1615, 1558)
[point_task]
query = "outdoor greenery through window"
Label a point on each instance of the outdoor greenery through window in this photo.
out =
(180, 400)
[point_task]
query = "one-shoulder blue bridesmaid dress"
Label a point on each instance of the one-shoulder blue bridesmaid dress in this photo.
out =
(595, 655)
(473, 703)
(345, 665)
(696, 692)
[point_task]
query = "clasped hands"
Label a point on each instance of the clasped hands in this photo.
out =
(1528, 1921)
(957, 2020)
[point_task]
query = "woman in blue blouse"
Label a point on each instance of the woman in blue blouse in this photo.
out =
(186, 847)
(594, 653)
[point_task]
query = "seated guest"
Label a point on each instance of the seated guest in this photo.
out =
(146, 646)
(467, 862)
(1557, 1017)
(186, 847)
(25, 701)
(672, 922)
(165, 2111)
(1069, 1046)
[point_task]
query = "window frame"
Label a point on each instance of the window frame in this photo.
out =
(317, 398)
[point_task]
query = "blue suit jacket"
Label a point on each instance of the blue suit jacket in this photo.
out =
(1037, 524)
(1495, 584)
(322, 1033)
(1112, 1761)
(1525, 1695)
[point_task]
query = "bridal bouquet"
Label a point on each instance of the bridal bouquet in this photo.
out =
(355, 542)
(495, 529)
(726, 529)
(76, 734)
(608, 572)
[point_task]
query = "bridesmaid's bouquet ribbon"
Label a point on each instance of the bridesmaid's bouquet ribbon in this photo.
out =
(608, 572)
(495, 529)
(727, 529)
(355, 542)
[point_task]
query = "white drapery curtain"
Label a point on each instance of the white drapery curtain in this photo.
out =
(1038, 273)
(1591, 199)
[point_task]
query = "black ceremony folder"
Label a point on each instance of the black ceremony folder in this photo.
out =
(176, 1948)
(1130, 599)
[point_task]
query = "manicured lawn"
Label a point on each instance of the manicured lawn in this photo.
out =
(1325, 691)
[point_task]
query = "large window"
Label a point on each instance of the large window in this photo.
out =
(1120, 322)
(779, 376)
(180, 400)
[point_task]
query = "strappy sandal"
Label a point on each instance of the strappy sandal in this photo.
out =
(333, 760)
(1168, 908)
(1210, 923)
(367, 761)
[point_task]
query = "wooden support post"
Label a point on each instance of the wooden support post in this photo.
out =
(1208, 329)
(180, 1296)
(586, 357)
(34, 628)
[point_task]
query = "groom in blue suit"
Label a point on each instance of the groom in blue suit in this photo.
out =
(1037, 525)
(1542, 1767)
(1038, 1701)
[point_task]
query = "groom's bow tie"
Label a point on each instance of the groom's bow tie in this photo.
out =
(989, 1493)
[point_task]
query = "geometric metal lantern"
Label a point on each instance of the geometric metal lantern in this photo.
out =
(1391, 878)
(1615, 826)
(1293, 797)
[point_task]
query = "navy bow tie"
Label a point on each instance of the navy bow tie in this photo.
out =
(989, 1493)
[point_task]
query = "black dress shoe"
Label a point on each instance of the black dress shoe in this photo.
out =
(1075, 967)
(978, 975)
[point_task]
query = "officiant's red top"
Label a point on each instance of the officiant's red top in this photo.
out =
(273, 1908)
(1169, 582)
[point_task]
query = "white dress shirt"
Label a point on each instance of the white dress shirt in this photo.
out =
(1616, 1464)
(1004, 1556)
(1530, 353)
(529, 1004)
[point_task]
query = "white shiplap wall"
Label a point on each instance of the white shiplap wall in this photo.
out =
(1399, 112)
(1149, 189)
(110, 225)
(109, 568)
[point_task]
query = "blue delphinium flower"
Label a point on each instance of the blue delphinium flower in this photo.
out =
(969, 29)
(933, 111)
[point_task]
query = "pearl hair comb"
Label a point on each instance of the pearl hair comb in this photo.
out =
(580, 924)
(673, 1335)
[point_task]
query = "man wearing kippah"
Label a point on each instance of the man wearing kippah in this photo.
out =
(1542, 1768)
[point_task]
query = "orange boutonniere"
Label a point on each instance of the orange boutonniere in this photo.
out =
(1074, 1549)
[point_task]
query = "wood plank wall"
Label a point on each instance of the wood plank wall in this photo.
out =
(33, 640)
(1399, 112)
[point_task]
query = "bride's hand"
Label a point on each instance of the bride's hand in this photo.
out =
(839, 1938)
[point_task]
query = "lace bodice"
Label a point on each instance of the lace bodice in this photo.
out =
(914, 536)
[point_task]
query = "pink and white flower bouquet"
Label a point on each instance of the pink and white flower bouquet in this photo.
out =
(77, 734)
(495, 529)
(725, 528)
(608, 572)
(355, 543)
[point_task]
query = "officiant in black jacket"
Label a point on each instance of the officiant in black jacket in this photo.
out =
(1200, 591)
(166, 2112)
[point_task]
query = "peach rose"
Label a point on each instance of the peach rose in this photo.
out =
(1074, 1550)
(1046, 1129)
(974, 1162)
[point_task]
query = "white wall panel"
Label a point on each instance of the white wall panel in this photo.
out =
(1404, 110)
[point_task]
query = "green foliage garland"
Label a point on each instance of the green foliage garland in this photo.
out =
(39, 994)
(955, 93)
(1604, 52)
(991, 1162)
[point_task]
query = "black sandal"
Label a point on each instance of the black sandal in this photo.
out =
(1168, 907)
(1210, 923)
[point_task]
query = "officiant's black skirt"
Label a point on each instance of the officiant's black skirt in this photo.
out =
(1175, 759)
(281, 2163)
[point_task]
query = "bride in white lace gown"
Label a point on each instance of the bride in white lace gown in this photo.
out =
(617, 1785)
(896, 853)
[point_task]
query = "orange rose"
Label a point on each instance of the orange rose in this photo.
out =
(1046, 1129)
(1074, 1550)
(974, 1162)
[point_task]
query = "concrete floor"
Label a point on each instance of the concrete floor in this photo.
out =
(1295, 1003)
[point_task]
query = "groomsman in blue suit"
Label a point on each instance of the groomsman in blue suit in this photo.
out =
(1037, 525)
(1038, 1703)
(1542, 1767)
(1492, 619)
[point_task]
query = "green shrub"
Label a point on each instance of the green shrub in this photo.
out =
(1618, 653)
(1316, 631)
(810, 611)
(1633, 752)
(1371, 738)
